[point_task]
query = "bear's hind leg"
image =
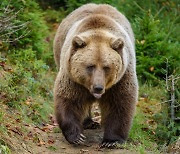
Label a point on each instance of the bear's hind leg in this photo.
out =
(88, 123)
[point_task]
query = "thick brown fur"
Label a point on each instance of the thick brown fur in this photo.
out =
(95, 55)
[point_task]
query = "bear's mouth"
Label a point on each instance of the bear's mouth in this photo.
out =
(97, 95)
(97, 91)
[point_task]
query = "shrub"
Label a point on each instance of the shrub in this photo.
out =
(23, 63)
(153, 49)
(55, 4)
(29, 12)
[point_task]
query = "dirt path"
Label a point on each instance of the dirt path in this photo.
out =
(27, 138)
(46, 142)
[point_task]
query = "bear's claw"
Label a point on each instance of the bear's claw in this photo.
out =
(84, 137)
(80, 140)
(109, 145)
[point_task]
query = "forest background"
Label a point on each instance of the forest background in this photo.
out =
(27, 68)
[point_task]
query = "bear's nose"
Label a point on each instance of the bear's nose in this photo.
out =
(98, 88)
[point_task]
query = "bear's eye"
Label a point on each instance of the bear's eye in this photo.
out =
(106, 68)
(90, 68)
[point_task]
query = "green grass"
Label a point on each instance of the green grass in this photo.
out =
(4, 149)
(140, 137)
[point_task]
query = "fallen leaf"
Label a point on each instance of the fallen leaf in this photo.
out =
(47, 128)
(18, 120)
(40, 143)
(151, 68)
(142, 41)
(2, 63)
(53, 120)
(51, 140)
(83, 150)
(8, 125)
(30, 134)
(27, 125)
(16, 130)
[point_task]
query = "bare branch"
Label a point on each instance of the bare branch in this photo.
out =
(9, 27)
(12, 17)
(178, 118)
(171, 81)
(177, 106)
(177, 78)
(15, 30)
(167, 87)
(164, 102)
(172, 98)
(7, 8)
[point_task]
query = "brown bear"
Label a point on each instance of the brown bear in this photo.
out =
(95, 54)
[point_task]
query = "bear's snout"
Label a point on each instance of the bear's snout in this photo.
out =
(97, 91)
(98, 88)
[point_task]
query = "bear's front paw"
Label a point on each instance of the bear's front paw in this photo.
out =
(75, 138)
(73, 132)
(111, 144)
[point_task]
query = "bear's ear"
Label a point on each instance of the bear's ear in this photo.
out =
(78, 42)
(117, 44)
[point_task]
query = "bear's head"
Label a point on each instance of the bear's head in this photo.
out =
(96, 60)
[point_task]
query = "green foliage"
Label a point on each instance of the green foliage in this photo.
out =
(140, 137)
(36, 29)
(55, 4)
(4, 149)
(153, 49)
(53, 16)
(26, 70)
(73, 4)
(24, 62)
(167, 130)
(137, 134)
(52, 148)
(28, 78)
(155, 24)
